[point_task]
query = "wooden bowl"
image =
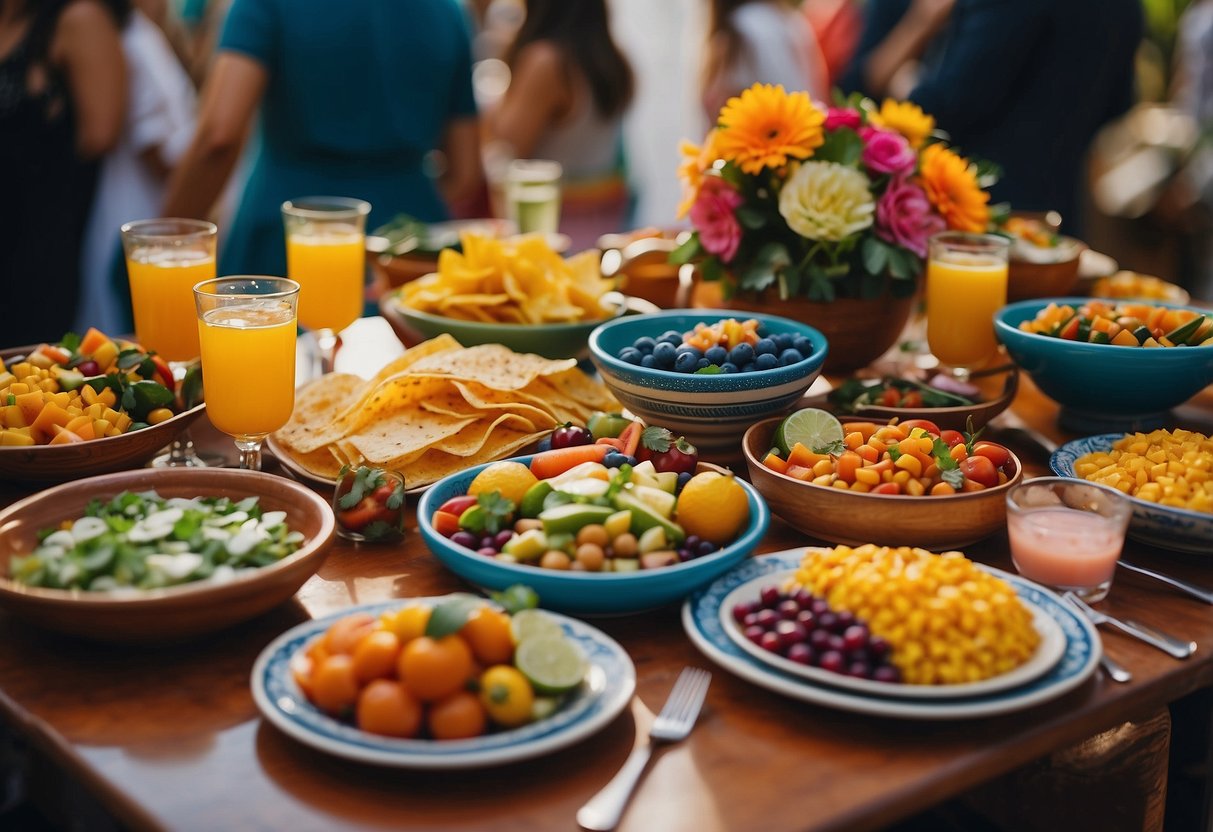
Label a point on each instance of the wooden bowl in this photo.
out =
(1027, 279)
(175, 612)
(949, 418)
(394, 271)
(838, 516)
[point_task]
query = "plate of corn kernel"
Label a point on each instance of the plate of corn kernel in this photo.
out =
(1166, 474)
(915, 660)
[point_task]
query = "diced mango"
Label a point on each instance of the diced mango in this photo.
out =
(12, 438)
(52, 416)
(64, 437)
(31, 405)
(12, 416)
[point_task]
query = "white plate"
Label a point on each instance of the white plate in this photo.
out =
(701, 620)
(1050, 650)
(608, 688)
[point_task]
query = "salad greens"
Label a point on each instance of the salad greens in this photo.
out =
(143, 541)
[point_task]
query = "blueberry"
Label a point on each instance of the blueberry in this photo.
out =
(741, 354)
(747, 368)
(783, 341)
(701, 363)
(788, 357)
(691, 542)
(648, 362)
(664, 354)
(705, 548)
(802, 345)
(683, 478)
(717, 355)
(630, 355)
(764, 346)
(628, 459)
(671, 336)
(545, 444)
(728, 367)
(686, 362)
(766, 361)
(645, 345)
(690, 350)
(614, 459)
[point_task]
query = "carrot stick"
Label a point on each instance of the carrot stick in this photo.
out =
(613, 441)
(630, 439)
(553, 463)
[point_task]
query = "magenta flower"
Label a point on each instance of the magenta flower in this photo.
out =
(712, 215)
(904, 217)
(842, 117)
(887, 152)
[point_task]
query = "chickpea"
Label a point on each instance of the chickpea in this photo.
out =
(593, 533)
(526, 524)
(590, 556)
(625, 546)
(555, 559)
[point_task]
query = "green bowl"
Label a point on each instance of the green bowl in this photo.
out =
(549, 340)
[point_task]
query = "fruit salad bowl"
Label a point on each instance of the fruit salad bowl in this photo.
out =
(711, 410)
(584, 592)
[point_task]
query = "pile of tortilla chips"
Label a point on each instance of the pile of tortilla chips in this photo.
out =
(518, 281)
(436, 410)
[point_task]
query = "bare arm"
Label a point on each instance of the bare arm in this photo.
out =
(464, 175)
(904, 44)
(538, 95)
(229, 100)
(88, 48)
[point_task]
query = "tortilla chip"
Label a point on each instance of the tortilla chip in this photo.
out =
(403, 432)
(493, 366)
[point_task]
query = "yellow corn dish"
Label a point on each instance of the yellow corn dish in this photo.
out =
(1171, 468)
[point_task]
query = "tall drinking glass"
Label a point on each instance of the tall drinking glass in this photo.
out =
(246, 328)
(532, 194)
(164, 259)
(326, 255)
(966, 285)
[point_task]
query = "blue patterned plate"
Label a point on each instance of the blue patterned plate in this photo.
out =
(608, 688)
(1179, 529)
(702, 621)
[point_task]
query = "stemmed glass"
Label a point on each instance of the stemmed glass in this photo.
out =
(164, 259)
(246, 328)
(966, 285)
(326, 255)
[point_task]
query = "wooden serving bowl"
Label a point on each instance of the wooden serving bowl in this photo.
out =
(949, 418)
(852, 518)
(1027, 279)
(141, 616)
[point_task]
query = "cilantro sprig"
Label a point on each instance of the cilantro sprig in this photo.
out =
(949, 468)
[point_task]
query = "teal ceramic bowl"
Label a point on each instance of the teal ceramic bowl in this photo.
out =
(1103, 385)
(581, 593)
(549, 340)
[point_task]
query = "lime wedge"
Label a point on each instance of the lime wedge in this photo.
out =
(816, 429)
(552, 664)
(528, 624)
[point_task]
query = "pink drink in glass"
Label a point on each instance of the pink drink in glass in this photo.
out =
(1066, 548)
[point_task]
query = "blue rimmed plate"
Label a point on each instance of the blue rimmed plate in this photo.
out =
(1164, 526)
(701, 619)
(608, 688)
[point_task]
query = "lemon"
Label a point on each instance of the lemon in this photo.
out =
(714, 507)
(510, 479)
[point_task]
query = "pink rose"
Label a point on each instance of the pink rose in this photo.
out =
(712, 215)
(904, 217)
(887, 152)
(842, 117)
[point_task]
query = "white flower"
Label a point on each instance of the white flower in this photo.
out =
(826, 201)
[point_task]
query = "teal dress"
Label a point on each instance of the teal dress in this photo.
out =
(359, 92)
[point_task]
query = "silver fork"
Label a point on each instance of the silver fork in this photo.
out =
(674, 723)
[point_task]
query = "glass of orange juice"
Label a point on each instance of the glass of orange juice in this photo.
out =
(164, 259)
(326, 256)
(246, 329)
(966, 285)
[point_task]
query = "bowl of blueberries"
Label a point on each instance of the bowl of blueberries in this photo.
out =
(707, 374)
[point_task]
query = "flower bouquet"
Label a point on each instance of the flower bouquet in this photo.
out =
(820, 203)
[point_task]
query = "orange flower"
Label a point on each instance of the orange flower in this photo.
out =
(696, 161)
(906, 118)
(765, 126)
(951, 185)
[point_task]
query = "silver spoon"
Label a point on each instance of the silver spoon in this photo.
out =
(1191, 589)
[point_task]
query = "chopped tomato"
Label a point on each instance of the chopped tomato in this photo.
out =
(367, 511)
(994, 452)
(951, 437)
(445, 523)
(458, 505)
(926, 424)
(979, 469)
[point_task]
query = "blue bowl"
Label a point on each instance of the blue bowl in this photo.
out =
(1167, 527)
(712, 411)
(1105, 384)
(594, 593)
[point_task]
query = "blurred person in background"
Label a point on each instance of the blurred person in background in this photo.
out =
(1191, 192)
(759, 41)
(1022, 83)
(569, 89)
(836, 25)
(353, 99)
(62, 82)
(158, 127)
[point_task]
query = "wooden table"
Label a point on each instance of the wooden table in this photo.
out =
(169, 737)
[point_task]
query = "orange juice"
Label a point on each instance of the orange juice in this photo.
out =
(248, 366)
(329, 266)
(963, 293)
(162, 282)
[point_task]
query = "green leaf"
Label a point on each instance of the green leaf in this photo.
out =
(842, 146)
(70, 342)
(656, 439)
(898, 266)
(380, 530)
(688, 251)
(875, 255)
(130, 358)
(750, 217)
(191, 386)
(448, 617)
(710, 370)
(949, 468)
(396, 499)
(497, 510)
(142, 397)
(711, 269)
(894, 451)
(835, 448)
(516, 598)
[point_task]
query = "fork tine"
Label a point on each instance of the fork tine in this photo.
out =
(691, 689)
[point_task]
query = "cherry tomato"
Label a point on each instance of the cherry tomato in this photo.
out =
(164, 371)
(367, 511)
(680, 457)
(911, 399)
(891, 397)
(458, 505)
(994, 452)
(887, 488)
(952, 438)
(926, 424)
(979, 469)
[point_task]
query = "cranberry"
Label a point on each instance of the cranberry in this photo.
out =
(755, 634)
(769, 641)
(770, 595)
(788, 609)
(832, 661)
(855, 637)
(790, 633)
(859, 670)
(741, 611)
(827, 620)
(767, 619)
(804, 598)
(819, 640)
(807, 619)
(845, 619)
(878, 647)
(886, 673)
(487, 551)
(801, 654)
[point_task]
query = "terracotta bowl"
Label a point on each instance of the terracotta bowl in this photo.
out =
(175, 612)
(949, 418)
(56, 463)
(397, 271)
(838, 516)
(1027, 280)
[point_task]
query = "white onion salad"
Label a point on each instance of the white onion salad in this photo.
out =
(143, 541)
